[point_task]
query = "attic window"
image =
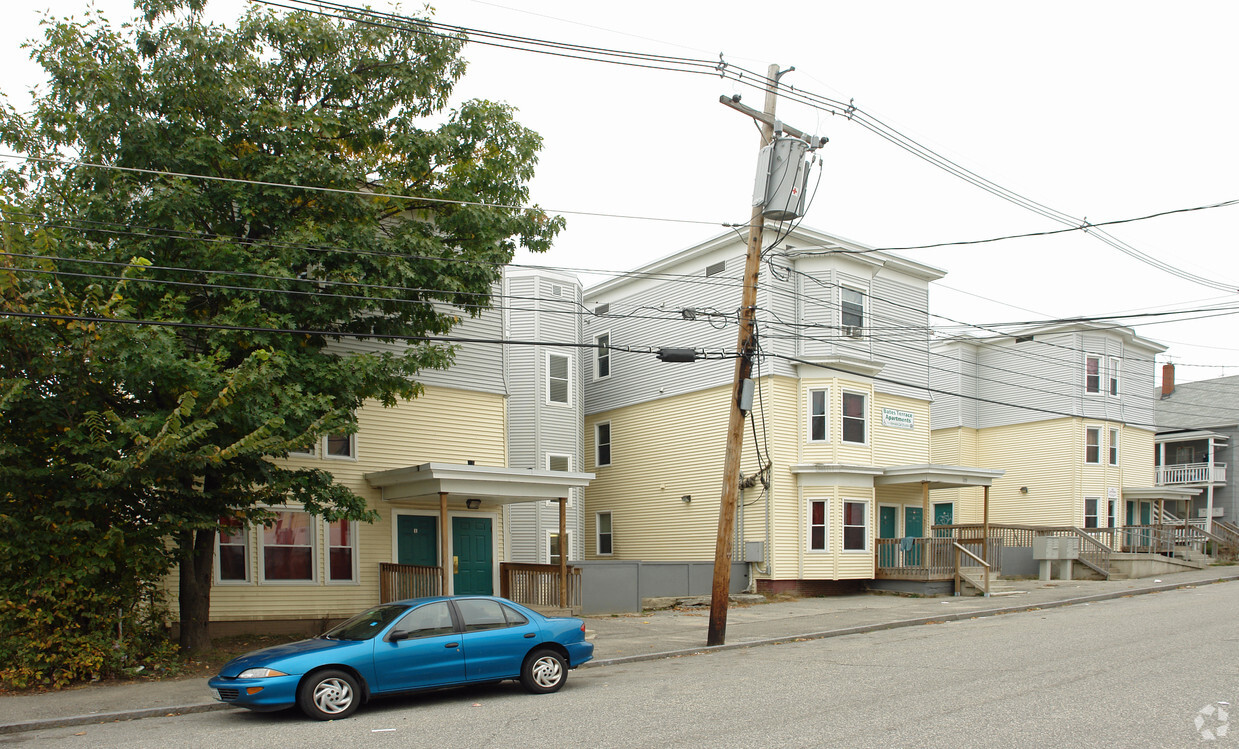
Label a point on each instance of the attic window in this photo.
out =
(602, 309)
(557, 290)
(717, 268)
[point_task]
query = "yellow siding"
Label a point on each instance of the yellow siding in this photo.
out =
(443, 425)
(660, 451)
(1047, 458)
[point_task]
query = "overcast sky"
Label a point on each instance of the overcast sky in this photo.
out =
(1102, 110)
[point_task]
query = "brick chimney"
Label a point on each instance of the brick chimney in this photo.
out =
(1167, 379)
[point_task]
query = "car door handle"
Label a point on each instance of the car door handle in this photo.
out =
(451, 645)
(528, 635)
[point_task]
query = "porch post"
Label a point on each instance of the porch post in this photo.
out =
(1209, 489)
(563, 552)
(926, 519)
(443, 549)
(985, 524)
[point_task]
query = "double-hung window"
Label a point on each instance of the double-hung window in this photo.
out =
(341, 545)
(605, 538)
(851, 308)
(1092, 374)
(819, 415)
(854, 418)
(1113, 371)
(341, 445)
(233, 551)
(288, 547)
(558, 384)
(817, 525)
(1114, 447)
(1090, 511)
(554, 547)
(602, 356)
(855, 526)
(602, 444)
(1092, 445)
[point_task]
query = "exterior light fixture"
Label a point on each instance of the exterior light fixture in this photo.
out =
(1023, 490)
(686, 498)
(473, 504)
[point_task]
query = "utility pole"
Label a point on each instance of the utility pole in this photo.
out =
(746, 343)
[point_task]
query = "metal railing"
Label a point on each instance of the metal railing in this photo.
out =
(538, 584)
(400, 581)
(960, 575)
(1191, 473)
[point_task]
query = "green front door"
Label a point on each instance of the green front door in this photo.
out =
(417, 540)
(944, 514)
(886, 529)
(914, 527)
(472, 557)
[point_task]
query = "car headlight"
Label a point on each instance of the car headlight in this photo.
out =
(259, 673)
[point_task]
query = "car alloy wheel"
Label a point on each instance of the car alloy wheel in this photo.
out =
(328, 695)
(544, 671)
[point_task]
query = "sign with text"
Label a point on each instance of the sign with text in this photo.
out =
(892, 417)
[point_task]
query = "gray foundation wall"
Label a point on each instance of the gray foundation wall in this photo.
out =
(617, 587)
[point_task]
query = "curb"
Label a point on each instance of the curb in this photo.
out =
(94, 718)
(900, 623)
(206, 707)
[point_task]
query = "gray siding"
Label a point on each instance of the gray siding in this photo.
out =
(543, 308)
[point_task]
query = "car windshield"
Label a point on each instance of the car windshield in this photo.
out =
(365, 625)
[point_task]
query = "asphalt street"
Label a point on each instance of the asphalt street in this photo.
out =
(1155, 670)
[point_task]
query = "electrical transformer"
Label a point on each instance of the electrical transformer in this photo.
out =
(782, 173)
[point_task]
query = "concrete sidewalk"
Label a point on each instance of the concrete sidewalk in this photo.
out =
(626, 638)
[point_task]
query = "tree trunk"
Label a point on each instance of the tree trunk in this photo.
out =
(196, 568)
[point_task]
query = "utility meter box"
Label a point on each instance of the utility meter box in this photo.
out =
(782, 174)
(1053, 548)
(754, 551)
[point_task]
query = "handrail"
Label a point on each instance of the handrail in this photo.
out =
(958, 574)
(1204, 535)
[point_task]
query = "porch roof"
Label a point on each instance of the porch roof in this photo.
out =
(1171, 493)
(494, 484)
(1190, 435)
(939, 476)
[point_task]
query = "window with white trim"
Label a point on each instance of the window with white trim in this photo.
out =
(1090, 511)
(851, 307)
(558, 383)
(602, 444)
(819, 415)
(1092, 374)
(819, 518)
(340, 446)
(602, 525)
(232, 563)
(602, 356)
(854, 418)
(1092, 445)
(309, 451)
(1113, 513)
(1114, 447)
(552, 546)
(287, 545)
(341, 551)
(1113, 372)
(855, 526)
(558, 462)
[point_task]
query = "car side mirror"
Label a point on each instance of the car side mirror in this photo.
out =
(396, 635)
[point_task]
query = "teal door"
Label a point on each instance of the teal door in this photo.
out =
(472, 558)
(913, 526)
(1146, 517)
(1129, 533)
(944, 514)
(417, 540)
(886, 529)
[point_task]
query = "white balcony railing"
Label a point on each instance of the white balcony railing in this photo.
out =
(1191, 473)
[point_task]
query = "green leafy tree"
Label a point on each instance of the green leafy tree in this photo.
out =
(242, 283)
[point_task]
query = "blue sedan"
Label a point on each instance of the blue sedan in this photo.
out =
(406, 646)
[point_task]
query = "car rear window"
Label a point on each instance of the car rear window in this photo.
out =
(480, 614)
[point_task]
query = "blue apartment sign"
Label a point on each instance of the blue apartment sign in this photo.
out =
(893, 417)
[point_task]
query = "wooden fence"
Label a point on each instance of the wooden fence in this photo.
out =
(400, 581)
(538, 584)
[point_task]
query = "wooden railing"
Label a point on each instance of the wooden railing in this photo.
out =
(960, 576)
(538, 584)
(1191, 473)
(400, 581)
(926, 558)
(1196, 537)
